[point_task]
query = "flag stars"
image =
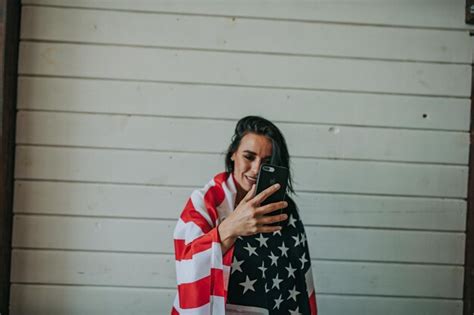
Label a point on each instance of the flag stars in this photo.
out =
(292, 221)
(266, 289)
(303, 260)
(274, 259)
(236, 265)
(262, 240)
(248, 284)
(276, 232)
(263, 269)
(283, 249)
(277, 303)
(276, 282)
(297, 240)
(291, 271)
(295, 312)
(251, 249)
(293, 294)
(303, 239)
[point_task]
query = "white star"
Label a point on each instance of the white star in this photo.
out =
(236, 265)
(283, 249)
(262, 240)
(266, 289)
(303, 238)
(274, 259)
(262, 268)
(278, 302)
(276, 282)
(251, 249)
(293, 294)
(295, 312)
(291, 271)
(248, 284)
(303, 260)
(240, 238)
(297, 240)
(277, 232)
(292, 221)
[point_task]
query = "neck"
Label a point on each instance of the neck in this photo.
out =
(240, 195)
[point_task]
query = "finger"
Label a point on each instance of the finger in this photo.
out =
(258, 199)
(272, 219)
(271, 207)
(268, 229)
(249, 194)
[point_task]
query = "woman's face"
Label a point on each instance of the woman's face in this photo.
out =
(253, 151)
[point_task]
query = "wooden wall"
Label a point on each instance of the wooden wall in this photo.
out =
(126, 106)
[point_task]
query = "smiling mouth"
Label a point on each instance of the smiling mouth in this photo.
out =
(251, 179)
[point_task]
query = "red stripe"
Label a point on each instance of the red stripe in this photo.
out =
(174, 311)
(190, 214)
(312, 304)
(200, 244)
(227, 259)
(198, 293)
(220, 178)
(215, 195)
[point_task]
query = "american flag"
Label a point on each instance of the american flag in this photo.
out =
(261, 274)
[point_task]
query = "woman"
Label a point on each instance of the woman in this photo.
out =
(229, 260)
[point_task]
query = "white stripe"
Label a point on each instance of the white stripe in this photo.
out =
(190, 270)
(218, 305)
(309, 282)
(226, 272)
(197, 198)
(187, 231)
(230, 193)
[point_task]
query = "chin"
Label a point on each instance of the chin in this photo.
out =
(245, 186)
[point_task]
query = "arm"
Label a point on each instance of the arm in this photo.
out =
(227, 239)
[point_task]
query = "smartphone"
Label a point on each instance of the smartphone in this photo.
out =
(267, 176)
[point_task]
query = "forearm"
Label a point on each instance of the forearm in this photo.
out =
(226, 236)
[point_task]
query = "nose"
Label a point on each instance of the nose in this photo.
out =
(256, 167)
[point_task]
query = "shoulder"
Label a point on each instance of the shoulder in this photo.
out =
(213, 189)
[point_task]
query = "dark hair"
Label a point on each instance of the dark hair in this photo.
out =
(264, 127)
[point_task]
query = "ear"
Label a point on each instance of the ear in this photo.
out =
(232, 157)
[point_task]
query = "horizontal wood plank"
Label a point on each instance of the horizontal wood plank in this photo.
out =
(43, 300)
(81, 300)
(160, 168)
(156, 236)
(85, 268)
(164, 99)
(225, 68)
(320, 209)
(178, 134)
(223, 33)
(437, 13)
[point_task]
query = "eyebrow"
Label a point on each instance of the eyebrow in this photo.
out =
(253, 153)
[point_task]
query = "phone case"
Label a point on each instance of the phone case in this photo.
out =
(268, 176)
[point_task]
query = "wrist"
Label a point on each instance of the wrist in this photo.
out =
(225, 232)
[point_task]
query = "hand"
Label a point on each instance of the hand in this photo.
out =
(248, 217)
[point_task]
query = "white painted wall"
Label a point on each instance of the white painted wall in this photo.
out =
(126, 106)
